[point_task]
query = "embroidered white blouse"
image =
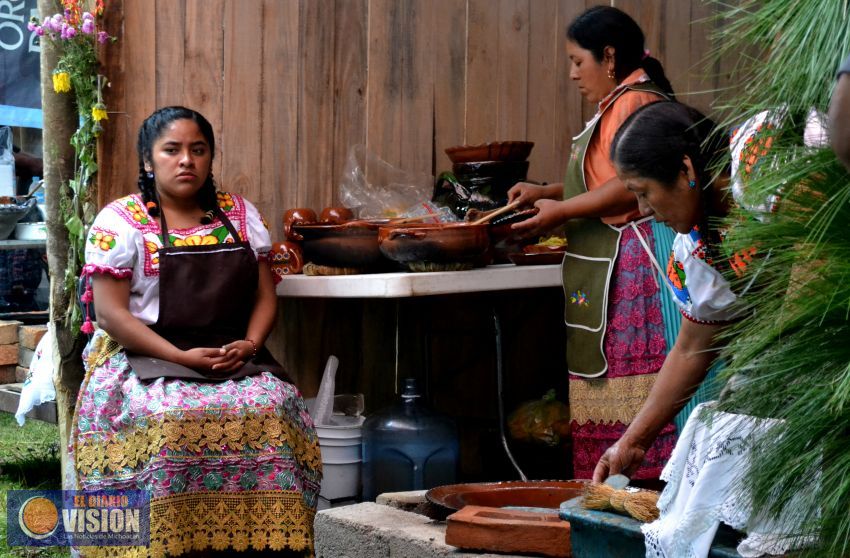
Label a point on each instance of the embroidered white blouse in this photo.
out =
(124, 242)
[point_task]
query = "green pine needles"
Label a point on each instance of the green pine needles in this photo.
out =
(790, 359)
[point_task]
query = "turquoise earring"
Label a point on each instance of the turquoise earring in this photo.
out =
(692, 184)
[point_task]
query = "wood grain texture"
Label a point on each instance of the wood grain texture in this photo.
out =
(243, 119)
(170, 18)
(450, 26)
(544, 38)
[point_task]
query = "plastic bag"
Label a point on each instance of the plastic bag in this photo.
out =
(38, 387)
(374, 188)
(544, 420)
(7, 163)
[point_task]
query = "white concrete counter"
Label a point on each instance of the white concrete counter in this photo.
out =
(403, 284)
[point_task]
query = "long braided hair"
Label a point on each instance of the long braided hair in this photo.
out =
(150, 130)
(603, 26)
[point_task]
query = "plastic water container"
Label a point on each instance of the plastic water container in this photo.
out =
(408, 447)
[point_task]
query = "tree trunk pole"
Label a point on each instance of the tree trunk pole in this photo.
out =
(60, 123)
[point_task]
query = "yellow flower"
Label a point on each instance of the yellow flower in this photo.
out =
(61, 82)
(98, 111)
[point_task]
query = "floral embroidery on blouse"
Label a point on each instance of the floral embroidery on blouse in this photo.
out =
(225, 201)
(138, 213)
(103, 239)
(676, 278)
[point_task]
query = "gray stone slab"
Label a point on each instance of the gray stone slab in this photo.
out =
(369, 530)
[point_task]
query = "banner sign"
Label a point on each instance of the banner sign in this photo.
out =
(20, 64)
(78, 518)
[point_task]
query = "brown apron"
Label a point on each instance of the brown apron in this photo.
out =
(206, 297)
(589, 263)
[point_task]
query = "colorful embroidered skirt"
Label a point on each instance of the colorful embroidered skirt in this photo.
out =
(602, 408)
(231, 465)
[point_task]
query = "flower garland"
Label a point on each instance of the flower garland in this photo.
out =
(76, 33)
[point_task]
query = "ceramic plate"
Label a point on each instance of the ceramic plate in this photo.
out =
(541, 258)
(538, 494)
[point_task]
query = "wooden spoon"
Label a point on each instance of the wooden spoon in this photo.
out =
(496, 213)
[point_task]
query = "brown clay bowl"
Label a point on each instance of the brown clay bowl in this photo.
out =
(531, 494)
(493, 151)
(341, 245)
(436, 243)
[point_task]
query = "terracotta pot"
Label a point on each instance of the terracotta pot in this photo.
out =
(297, 216)
(438, 243)
(341, 245)
(336, 215)
(536, 494)
(494, 151)
(286, 258)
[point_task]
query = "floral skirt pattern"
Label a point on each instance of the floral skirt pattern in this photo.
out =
(602, 408)
(231, 465)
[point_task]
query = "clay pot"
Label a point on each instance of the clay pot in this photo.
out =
(493, 151)
(297, 216)
(286, 258)
(336, 215)
(353, 245)
(437, 243)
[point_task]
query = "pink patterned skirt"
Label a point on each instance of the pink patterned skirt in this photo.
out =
(231, 465)
(602, 408)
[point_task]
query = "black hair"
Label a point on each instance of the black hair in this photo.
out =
(150, 130)
(654, 140)
(603, 26)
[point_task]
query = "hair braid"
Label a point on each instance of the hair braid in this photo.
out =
(147, 187)
(208, 200)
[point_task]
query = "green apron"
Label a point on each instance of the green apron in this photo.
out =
(589, 263)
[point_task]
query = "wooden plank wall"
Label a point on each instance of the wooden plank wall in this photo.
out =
(291, 85)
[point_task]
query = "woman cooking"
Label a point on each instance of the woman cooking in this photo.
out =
(180, 397)
(615, 330)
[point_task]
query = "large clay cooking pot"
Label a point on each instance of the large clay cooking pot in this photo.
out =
(352, 244)
(437, 243)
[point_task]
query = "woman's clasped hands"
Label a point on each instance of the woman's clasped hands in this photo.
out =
(227, 358)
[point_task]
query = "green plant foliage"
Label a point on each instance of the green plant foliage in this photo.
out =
(790, 359)
(76, 34)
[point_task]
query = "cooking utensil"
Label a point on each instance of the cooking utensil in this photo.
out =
(513, 205)
(437, 243)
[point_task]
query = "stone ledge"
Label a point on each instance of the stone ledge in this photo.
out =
(370, 530)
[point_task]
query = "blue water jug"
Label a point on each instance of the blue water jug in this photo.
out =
(408, 447)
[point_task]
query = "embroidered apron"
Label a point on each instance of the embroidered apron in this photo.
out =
(589, 263)
(206, 297)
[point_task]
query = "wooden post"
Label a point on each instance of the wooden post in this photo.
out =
(60, 122)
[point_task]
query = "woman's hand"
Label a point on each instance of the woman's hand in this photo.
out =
(550, 215)
(201, 358)
(234, 356)
(528, 193)
(621, 458)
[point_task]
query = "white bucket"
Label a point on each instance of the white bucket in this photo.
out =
(341, 457)
(340, 451)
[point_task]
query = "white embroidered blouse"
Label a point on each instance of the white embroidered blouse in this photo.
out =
(124, 242)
